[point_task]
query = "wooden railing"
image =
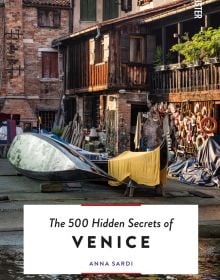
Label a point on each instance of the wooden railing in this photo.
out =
(101, 76)
(133, 75)
(98, 75)
(189, 79)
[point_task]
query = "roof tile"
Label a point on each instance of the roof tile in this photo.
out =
(61, 3)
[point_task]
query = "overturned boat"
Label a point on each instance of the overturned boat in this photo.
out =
(40, 157)
(99, 159)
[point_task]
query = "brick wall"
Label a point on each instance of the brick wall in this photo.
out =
(14, 47)
(26, 91)
(124, 123)
(124, 111)
(35, 39)
(2, 53)
(22, 108)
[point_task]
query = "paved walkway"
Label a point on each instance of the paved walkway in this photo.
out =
(15, 191)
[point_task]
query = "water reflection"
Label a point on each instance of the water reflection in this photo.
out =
(11, 266)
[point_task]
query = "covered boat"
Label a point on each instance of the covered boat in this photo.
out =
(100, 160)
(40, 157)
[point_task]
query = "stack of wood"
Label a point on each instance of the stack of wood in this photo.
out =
(73, 132)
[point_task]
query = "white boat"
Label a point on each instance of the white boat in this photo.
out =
(40, 157)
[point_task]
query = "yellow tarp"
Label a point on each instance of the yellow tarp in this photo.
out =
(141, 167)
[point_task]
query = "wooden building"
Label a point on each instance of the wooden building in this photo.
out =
(109, 73)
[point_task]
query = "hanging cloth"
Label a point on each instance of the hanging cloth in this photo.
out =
(141, 167)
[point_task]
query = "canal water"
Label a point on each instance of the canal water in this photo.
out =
(11, 266)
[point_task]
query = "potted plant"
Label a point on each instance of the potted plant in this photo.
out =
(204, 46)
(214, 46)
(170, 60)
(189, 51)
(158, 60)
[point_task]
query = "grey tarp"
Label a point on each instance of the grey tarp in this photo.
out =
(203, 170)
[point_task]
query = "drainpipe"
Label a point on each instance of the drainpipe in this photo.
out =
(71, 14)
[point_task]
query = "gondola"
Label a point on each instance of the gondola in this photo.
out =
(99, 159)
(40, 157)
(47, 157)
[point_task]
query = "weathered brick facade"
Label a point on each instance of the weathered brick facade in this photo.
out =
(2, 57)
(25, 90)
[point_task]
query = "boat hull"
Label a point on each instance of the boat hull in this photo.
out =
(40, 157)
(62, 176)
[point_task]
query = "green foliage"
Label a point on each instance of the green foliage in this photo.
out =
(158, 56)
(203, 45)
(169, 58)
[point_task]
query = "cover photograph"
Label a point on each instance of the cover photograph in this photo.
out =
(110, 139)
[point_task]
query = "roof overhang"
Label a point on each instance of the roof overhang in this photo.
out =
(47, 4)
(108, 24)
(142, 17)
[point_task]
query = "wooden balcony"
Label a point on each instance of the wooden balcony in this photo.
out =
(101, 76)
(186, 80)
(98, 76)
(128, 76)
(133, 75)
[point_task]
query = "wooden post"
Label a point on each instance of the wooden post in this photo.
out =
(179, 31)
(207, 20)
(163, 43)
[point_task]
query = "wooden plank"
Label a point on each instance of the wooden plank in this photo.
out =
(51, 187)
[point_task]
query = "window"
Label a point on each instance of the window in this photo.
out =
(91, 111)
(49, 65)
(110, 9)
(48, 18)
(137, 49)
(88, 10)
(99, 50)
(47, 119)
(126, 5)
(143, 2)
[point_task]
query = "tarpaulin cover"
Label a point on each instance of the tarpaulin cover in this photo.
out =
(203, 170)
(209, 155)
(141, 167)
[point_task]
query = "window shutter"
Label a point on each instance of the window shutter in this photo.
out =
(49, 65)
(54, 65)
(106, 48)
(41, 17)
(110, 9)
(105, 9)
(91, 51)
(83, 9)
(125, 48)
(114, 9)
(129, 8)
(45, 65)
(126, 5)
(88, 10)
(56, 18)
(91, 10)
